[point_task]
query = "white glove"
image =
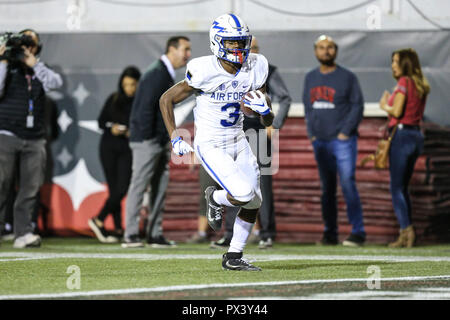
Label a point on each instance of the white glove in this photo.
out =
(258, 103)
(181, 147)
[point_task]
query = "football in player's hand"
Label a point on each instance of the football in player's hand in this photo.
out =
(247, 110)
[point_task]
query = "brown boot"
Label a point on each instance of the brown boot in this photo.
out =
(410, 236)
(401, 240)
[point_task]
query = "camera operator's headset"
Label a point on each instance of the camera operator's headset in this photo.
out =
(39, 44)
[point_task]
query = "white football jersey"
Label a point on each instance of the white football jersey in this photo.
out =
(217, 113)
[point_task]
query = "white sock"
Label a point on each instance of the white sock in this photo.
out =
(220, 196)
(241, 231)
(202, 233)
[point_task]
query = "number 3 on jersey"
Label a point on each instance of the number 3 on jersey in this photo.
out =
(234, 115)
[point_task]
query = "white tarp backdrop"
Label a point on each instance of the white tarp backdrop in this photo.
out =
(197, 15)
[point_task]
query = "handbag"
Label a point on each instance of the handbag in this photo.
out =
(381, 155)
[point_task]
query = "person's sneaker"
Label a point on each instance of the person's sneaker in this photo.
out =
(112, 239)
(118, 233)
(265, 243)
(113, 236)
(214, 211)
(221, 243)
(100, 232)
(253, 239)
(354, 240)
(161, 242)
(328, 241)
(28, 240)
(132, 242)
(7, 235)
(197, 238)
(234, 261)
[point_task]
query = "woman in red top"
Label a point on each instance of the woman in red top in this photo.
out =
(405, 107)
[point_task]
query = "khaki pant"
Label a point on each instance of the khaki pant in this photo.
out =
(150, 167)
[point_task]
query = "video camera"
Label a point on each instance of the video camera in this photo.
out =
(14, 42)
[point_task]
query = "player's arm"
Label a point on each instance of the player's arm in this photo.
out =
(174, 95)
(267, 119)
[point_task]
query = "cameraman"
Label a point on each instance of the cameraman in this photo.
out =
(23, 83)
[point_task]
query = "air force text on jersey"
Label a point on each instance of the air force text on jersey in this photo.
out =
(227, 96)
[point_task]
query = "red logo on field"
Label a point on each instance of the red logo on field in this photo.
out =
(322, 93)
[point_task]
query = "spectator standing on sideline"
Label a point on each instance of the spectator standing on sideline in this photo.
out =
(264, 231)
(23, 83)
(115, 153)
(405, 107)
(334, 107)
(150, 146)
(7, 213)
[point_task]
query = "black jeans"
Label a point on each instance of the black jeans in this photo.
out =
(116, 159)
(30, 156)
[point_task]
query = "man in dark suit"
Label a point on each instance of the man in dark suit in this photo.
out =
(149, 143)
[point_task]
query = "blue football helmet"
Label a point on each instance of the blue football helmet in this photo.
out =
(230, 27)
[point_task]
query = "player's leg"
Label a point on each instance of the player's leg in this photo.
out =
(202, 228)
(246, 217)
(248, 165)
(236, 190)
(233, 259)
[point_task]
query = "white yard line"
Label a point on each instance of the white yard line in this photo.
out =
(382, 295)
(364, 295)
(17, 256)
(436, 289)
(216, 285)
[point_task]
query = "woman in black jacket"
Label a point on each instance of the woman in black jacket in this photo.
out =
(115, 153)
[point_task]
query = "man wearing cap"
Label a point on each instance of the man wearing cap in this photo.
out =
(334, 107)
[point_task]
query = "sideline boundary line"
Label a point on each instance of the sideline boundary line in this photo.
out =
(22, 256)
(204, 286)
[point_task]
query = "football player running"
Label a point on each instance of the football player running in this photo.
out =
(220, 82)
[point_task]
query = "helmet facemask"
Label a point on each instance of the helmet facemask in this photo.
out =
(229, 27)
(236, 55)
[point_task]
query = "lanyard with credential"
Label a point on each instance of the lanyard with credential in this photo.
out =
(30, 116)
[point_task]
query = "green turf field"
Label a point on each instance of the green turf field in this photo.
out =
(82, 268)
